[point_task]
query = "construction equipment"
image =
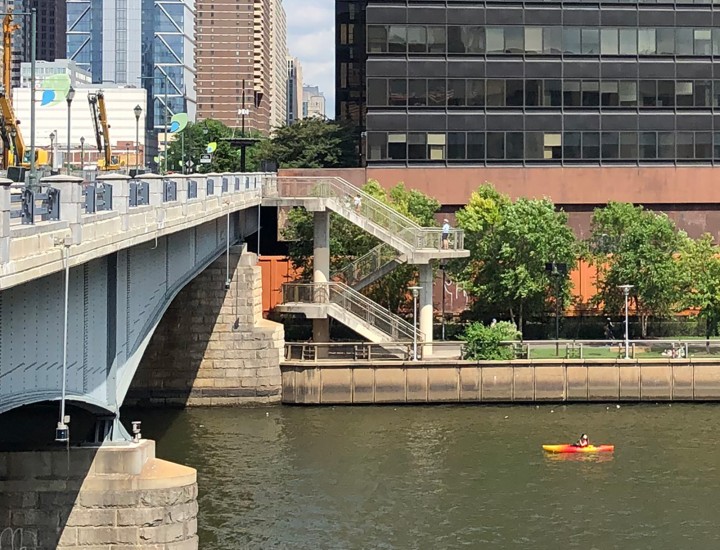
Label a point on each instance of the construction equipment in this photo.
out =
(13, 143)
(108, 161)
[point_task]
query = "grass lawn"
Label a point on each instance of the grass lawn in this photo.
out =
(615, 352)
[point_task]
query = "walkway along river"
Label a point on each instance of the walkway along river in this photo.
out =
(446, 477)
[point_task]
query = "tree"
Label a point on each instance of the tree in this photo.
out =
(700, 267)
(226, 158)
(311, 143)
(631, 245)
(348, 242)
(510, 245)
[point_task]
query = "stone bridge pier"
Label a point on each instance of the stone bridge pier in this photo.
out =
(115, 495)
(213, 346)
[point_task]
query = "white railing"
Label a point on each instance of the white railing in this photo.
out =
(371, 209)
(352, 301)
(361, 268)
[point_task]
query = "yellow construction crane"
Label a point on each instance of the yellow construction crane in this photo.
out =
(108, 161)
(13, 143)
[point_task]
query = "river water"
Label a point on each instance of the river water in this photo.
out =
(448, 476)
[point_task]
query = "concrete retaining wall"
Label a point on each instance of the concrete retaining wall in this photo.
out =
(109, 498)
(506, 382)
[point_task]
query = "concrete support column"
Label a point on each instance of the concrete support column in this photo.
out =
(115, 496)
(426, 308)
(72, 202)
(156, 188)
(120, 194)
(321, 270)
(201, 185)
(5, 220)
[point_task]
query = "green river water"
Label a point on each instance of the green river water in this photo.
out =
(448, 476)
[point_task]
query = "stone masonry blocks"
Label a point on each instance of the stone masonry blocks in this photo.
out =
(213, 346)
(152, 505)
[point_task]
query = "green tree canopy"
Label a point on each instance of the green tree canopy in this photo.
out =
(348, 242)
(311, 143)
(510, 245)
(700, 267)
(196, 137)
(631, 245)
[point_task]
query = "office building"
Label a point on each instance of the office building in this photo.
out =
(278, 46)
(523, 84)
(234, 62)
(44, 69)
(313, 102)
(142, 43)
(294, 90)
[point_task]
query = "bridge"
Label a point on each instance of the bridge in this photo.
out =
(118, 280)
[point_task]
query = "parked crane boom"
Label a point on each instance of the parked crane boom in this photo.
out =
(102, 131)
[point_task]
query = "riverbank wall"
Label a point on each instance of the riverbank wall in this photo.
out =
(521, 381)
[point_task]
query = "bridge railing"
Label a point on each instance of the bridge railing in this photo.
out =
(61, 205)
(29, 206)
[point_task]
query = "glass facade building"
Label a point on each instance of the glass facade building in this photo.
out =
(143, 43)
(530, 83)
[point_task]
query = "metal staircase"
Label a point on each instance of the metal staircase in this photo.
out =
(369, 268)
(419, 244)
(350, 307)
(402, 240)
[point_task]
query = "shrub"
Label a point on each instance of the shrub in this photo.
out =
(484, 342)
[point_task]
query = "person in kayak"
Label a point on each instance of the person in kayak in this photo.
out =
(583, 441)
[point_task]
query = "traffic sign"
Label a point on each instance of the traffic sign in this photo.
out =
(205, 159)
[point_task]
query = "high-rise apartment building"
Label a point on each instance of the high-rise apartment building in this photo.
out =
(517, 83)
(143, 43)
(234, 60)
(51, 29)
(278, 44)
(313, 104)
(294, 90)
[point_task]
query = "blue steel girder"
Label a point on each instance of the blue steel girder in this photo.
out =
(115, 305)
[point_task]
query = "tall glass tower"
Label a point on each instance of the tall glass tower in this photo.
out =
(143, 43)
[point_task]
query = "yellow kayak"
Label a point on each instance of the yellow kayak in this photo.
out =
(568, 448)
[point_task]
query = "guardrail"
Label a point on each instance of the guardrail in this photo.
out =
(352, 301)
(34, 205)
(62, 205)
(367, 264)
(371, 209)
(534, 350)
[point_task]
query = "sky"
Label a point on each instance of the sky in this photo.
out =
(311, 38)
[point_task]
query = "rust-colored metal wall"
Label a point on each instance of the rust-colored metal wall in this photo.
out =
(276, 270)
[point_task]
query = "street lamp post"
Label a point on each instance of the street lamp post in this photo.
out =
(82, 155)
(415, 291)
(52, 150)
(69, 99)
(442, 267)
(138, 111)
(626, 291)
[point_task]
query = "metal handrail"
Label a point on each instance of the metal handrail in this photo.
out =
(366, 265)
(371, 209)
(352, 301)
